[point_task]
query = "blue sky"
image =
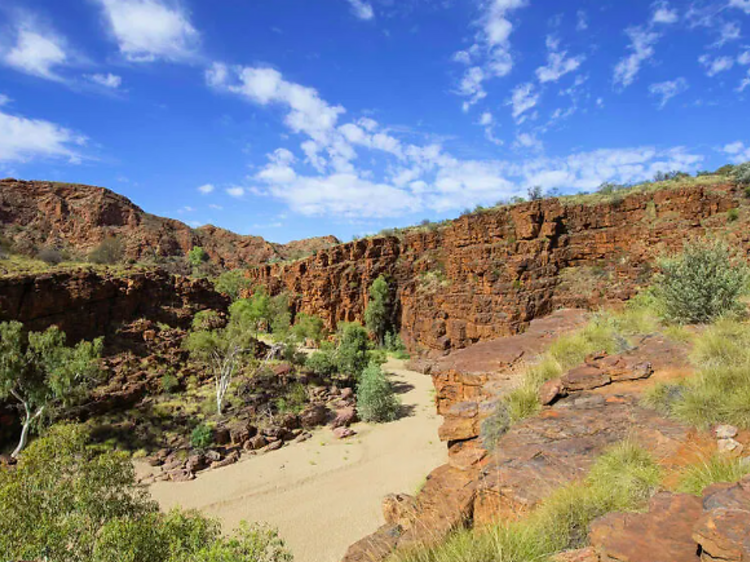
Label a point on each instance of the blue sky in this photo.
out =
(296, 118)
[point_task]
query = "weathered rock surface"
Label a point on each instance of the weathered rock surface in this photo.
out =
(78, 217)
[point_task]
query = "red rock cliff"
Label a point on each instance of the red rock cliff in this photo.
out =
(489, 274)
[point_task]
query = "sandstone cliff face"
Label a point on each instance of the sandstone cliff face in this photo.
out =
(78, 217)
(489, 274)
(86, 304)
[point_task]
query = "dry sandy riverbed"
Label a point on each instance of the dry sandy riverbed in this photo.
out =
(324, 494)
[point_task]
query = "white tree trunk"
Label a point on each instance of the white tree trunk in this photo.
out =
(28, 419)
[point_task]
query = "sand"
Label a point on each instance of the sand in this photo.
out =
(324, 494)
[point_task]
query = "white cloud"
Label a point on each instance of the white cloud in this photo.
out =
(558, 63)
(4, 100)
(668, 90)
(737, 151)
(529, 141)
(148, 30)
(107, 80)
(522, 100)
(236, 191)
(716, 65)
(582, 23)
(663, 14)
(743, 5)
(362, 10)
(216, 207)
(206, 188)
(730, 31)
(487, 120)
(642, 43)
(23, 140)
(36, 51)
(491, 47)
(744, 58)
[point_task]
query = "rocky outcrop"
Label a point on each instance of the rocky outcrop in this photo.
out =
(78, 217)
(489, 274)
(86, 304)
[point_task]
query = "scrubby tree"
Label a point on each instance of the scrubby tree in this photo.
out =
(223, 350)
(197, 256)
(279, 317)
(702, 283)
(535, 193)
(741, 174)
(110, 251)
(352, 355)
(308, 326)
(376, 401)
(232, 283)
(379, 312)
(253, 311)
(40, 372)
(68, 502)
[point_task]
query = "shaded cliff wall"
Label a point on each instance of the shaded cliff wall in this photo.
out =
(489, 274)
(86, 304)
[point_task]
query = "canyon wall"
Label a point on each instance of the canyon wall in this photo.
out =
(488, 274)
(86, 304)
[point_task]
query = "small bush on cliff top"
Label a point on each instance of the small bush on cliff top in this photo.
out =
(110, 251)
(202, 437)
(702, 283)
(622, 479)
(51, 256)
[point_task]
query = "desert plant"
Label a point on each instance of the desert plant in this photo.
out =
(741, 174)
(702, 283)
(87, 507)
(352, 354)
(718, 468)
(202, 436)
(395, 345)
(169, 383)
(535, 193)
(733, 215)
(376, 401)
(254, 311)
(379, 312)
(197, 256)
(233, 283)
(208, 320)
(322, 363)
(494, 427)
(51, 256)
(110, 251)
(40, 372)
(308, 326)
(279, 317)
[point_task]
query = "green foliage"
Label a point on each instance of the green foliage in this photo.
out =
(169, 383)
(202, 436)
(279, 317)
(395, 345)
(197, 256)
(702, 283)
(719, 392)
(352, 354)
(621, 479)
(51, 256)
(379, 312)
(718, 468)
(294, 400)
(253, 312)
(232, 283)
(376, 401)
(733, 215)
(322, 363)
(308, 327)
(41, 372)
(207, 320)
(87, 507)
(535, 193)
(110, 251)
(741, 174)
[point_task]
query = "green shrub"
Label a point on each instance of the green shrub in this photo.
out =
(207, 320)
(352, 355)
(202, 437)
(197, 256)
(702, 283)
(376, 401)
(741, 174)
(308, 327)
(395, 345)
(322, 363)
(733, 215)
(51, 256)
(494, 427)
(718, 468)
(169, 383)
(294, 401)
(110, 251)
(232, 283)
(379, 311)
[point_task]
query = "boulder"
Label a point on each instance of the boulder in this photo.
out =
(726, 432)
(549, 391)
(343, 432)
(585, 377)
(255, 443)
(344, 417)
(399, 509)
(724, 534)
(230, 459)
(314, 415)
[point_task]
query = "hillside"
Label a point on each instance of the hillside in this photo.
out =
(76, 218)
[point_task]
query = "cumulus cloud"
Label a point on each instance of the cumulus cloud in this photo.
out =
(558, 63)
(206, 188)
(743, 5)
(23, 140)
(737, 152)
(664, 14)
(362, 10)
(667, 90)
(36, 50)
(107, 80)
(235, 191)
(149, 30)
(642, 42)
(716, 65)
